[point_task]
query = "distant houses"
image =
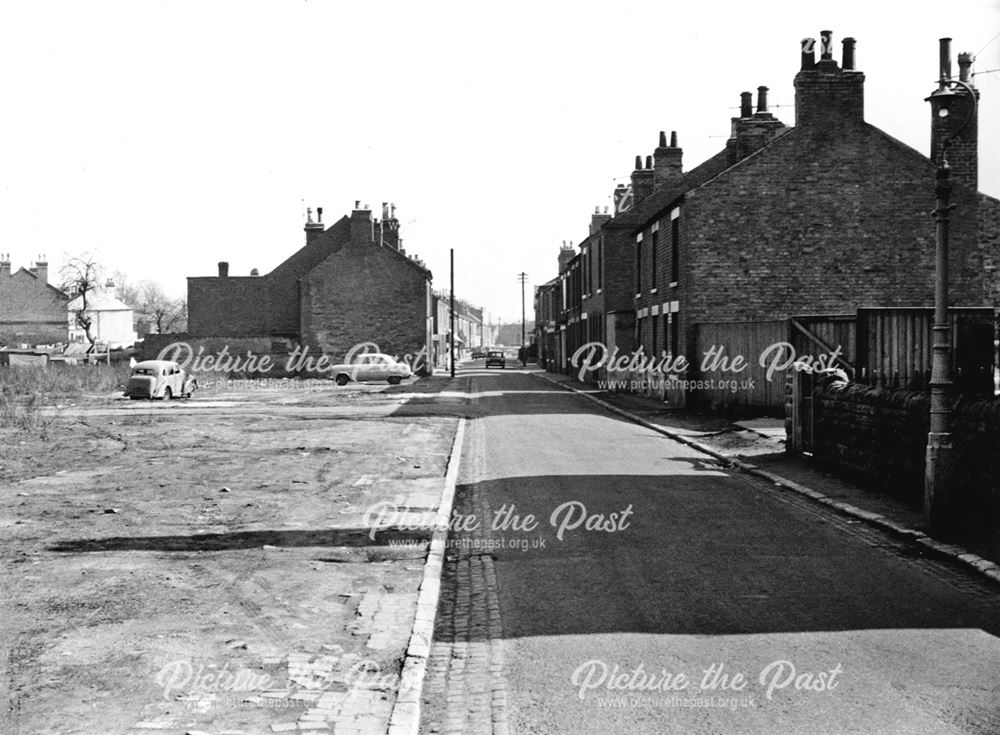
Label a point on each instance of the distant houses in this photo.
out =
(32, 311)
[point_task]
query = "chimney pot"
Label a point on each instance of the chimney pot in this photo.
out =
(965, 60)
(848, 57)
(663, 139)
(254, 272)
(826, 45)
(309, 215)
(357, 204)
(319, 214)
(223, 269)
(944, 58)
(638, 163)
(761, 99)
(746, 104)
(673, 138)
(808, 54)
(649, 162)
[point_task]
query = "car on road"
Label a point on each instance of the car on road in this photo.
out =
(371, 366)
(159, 379)
(478, 355)
(496, 357)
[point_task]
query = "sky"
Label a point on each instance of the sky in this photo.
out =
(167, 136)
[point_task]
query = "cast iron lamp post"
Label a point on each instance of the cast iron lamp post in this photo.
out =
(938, 501)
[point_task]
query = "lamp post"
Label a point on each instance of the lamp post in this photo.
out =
(938, 501)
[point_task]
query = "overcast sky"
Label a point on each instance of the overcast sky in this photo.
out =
(167, 136)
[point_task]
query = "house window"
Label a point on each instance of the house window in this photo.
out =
(675, 245)
(638, 264)
(654, 246)
(600, 263)
(675, 333)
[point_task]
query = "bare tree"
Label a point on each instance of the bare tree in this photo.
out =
(165, 314)
(126, 292)
(81, 277)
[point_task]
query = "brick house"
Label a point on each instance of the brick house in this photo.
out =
(823, 217)
(351, 283)
(31, 309)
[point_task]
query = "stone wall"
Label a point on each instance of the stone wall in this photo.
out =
(880, 437)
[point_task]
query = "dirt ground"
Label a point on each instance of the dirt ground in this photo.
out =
(205, 566)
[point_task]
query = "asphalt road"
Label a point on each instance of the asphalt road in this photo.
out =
(682, 598)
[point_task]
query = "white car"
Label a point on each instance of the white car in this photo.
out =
(159, 379)
(372, 366)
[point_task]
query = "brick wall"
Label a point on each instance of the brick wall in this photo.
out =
(366, 293)
(989, 244)
(880, 437)
(234, 306)
(277, 349)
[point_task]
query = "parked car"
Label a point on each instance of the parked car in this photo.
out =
(159, 379)
(373, 366)
(478, 354)
(496, 357)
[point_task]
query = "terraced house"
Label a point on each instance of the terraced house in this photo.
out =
(823, 217)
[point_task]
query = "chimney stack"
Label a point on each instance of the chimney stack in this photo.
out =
(362, 227)
(667, 161)
(566, 254)
(954, 119)
(313, 228)
(223, 269)
(597, 219)
(41, 269)
(827, 96)
(4, 264)
(390, 227)
(751, 131)
(622, 197)
(643, 180)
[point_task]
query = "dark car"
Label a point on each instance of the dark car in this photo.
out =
(478, 354)
(495, 357)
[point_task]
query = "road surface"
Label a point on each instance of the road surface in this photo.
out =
(603, 578)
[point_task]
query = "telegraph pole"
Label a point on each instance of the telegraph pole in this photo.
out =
(451, 312)
(523, 277)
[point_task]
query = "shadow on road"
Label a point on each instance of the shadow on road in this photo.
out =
(347, 537)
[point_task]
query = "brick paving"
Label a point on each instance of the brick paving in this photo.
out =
(465, 690)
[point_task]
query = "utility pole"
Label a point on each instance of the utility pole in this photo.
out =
(451, 311)
(523, 277)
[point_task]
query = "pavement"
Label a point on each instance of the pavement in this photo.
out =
(603, 577)
(757, 446)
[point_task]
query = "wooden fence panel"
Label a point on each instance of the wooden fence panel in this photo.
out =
(750, 340)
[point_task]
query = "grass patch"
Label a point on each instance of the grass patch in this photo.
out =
(25, 390)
